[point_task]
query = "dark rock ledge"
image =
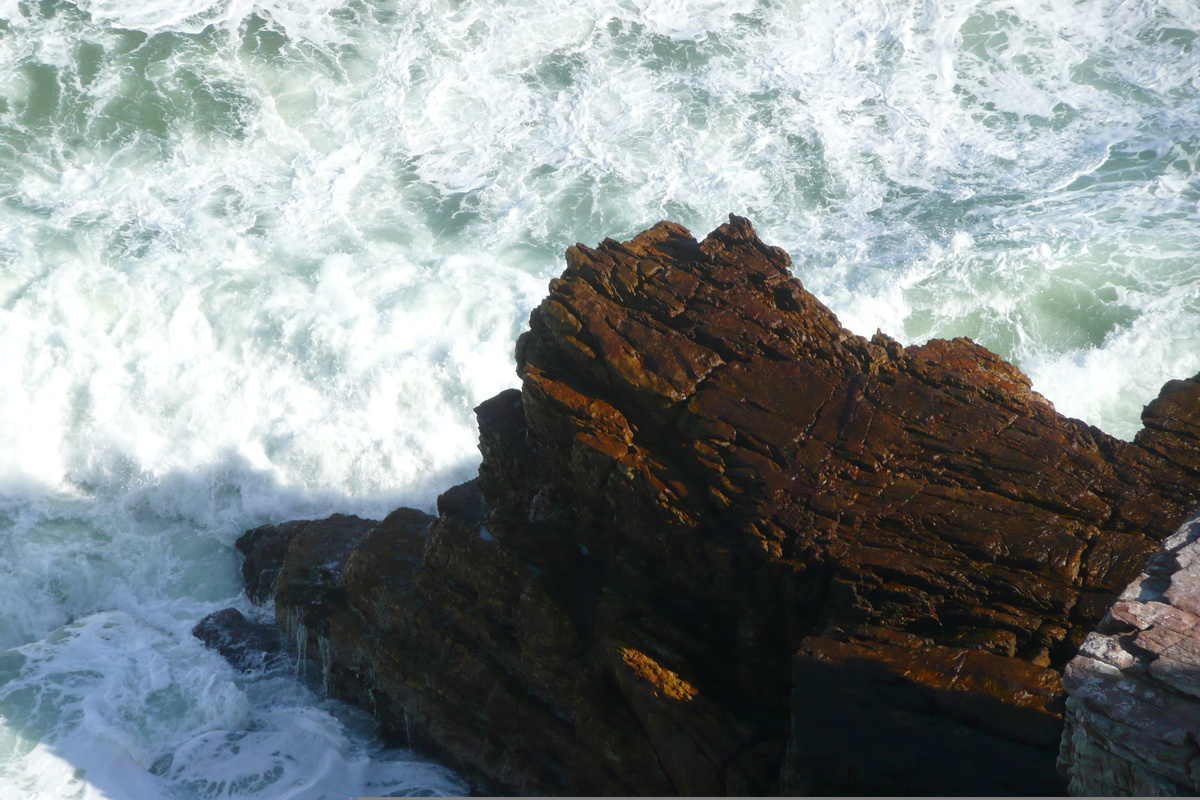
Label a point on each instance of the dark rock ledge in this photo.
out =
(721, 545)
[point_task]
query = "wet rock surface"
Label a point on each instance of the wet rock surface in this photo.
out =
(1133, 707)
(721, 545)
(244, 643)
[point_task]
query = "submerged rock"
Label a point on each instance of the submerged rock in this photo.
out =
(721, 545)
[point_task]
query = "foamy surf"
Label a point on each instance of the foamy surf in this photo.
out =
(259, 260)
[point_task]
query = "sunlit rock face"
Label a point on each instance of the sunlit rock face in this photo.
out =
(1133, 706)
(720, 544)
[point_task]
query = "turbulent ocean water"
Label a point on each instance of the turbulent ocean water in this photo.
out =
(260, 258)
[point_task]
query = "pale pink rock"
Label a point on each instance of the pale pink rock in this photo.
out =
(1132, 726)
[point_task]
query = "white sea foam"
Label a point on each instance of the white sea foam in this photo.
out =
(109, 707)
(260, 258)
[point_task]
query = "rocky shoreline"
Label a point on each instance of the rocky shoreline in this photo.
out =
(721, 545)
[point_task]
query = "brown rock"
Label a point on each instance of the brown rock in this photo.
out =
(713, 522)
(929, 721)
(265, 549)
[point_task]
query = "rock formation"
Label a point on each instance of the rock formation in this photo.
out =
(1133, 706)
(719, 544)
(245, 644)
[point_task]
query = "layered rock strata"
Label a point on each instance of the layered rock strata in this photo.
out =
(721, 545)
(1133, 707)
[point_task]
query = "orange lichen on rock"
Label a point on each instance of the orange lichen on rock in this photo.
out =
(665, 681)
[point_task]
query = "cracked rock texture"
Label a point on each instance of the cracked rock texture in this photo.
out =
(1133, 705)
(721, 545)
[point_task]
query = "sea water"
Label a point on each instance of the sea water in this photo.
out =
(260, 258)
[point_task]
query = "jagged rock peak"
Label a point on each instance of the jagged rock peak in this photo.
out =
(720, 544)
